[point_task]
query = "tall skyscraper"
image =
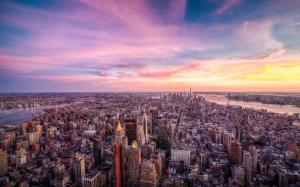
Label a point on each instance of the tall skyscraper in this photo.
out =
(145, 126)
(98, 150)
(3, 162)
(119, 134)
(131, 130)
(254, 155)
(79, 168)
(133, 163)
(247, 163)
(142, 129)
(236, 152)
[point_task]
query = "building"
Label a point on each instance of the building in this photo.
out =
(148, 175)
(156, 160)
(33, 137)
(79, 168)
(3, 162)
(254, 155)
(145, 126)
(119, 153)
(247, 163)
(238, 174)
(181, 155)
(119, 133)
(131, 130)
(39, 130)
(92, 179)
(140, 136)
(98, 150)
(133, 163)
(236, 152)
(21, 157)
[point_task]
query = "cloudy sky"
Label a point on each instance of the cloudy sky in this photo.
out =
(149, 45)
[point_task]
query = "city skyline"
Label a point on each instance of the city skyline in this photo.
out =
(137, 46)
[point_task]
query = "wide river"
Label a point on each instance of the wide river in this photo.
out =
(20, 115)
(221, 99)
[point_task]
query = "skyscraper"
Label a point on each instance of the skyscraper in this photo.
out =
(79, 168)
(119, 134)
(236, 152)
(145, 126)
(131, 130)
(98, 150)
(253, 152)
(133, 163)
(247, 163)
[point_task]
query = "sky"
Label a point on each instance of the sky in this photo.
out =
(149, 45)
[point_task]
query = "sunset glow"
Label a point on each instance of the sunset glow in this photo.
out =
(137, 45)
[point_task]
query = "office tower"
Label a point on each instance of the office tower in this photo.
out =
(148, 175)
(247, 163)
(253, 152)
(150, 123)
(39, 130)
(181, 155)
(133, 164)
(119, 165)
(98, 150)
(140, 136)
(3, 162)
(236, 152)
(79, 168)
(131, 130)
(119, 134)
(226, 140)
(92, 179)
(145, 126)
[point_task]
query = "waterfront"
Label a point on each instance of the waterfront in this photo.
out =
(20, 115)
(282, 109)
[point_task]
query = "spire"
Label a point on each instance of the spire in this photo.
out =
(119, 127)
(134, 144)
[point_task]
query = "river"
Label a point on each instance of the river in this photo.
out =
(222, 99)
(20, 115)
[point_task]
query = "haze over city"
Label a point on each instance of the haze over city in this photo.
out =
(137, 45)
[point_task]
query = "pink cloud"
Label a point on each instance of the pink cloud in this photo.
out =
(170, 73)
(227, 5)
